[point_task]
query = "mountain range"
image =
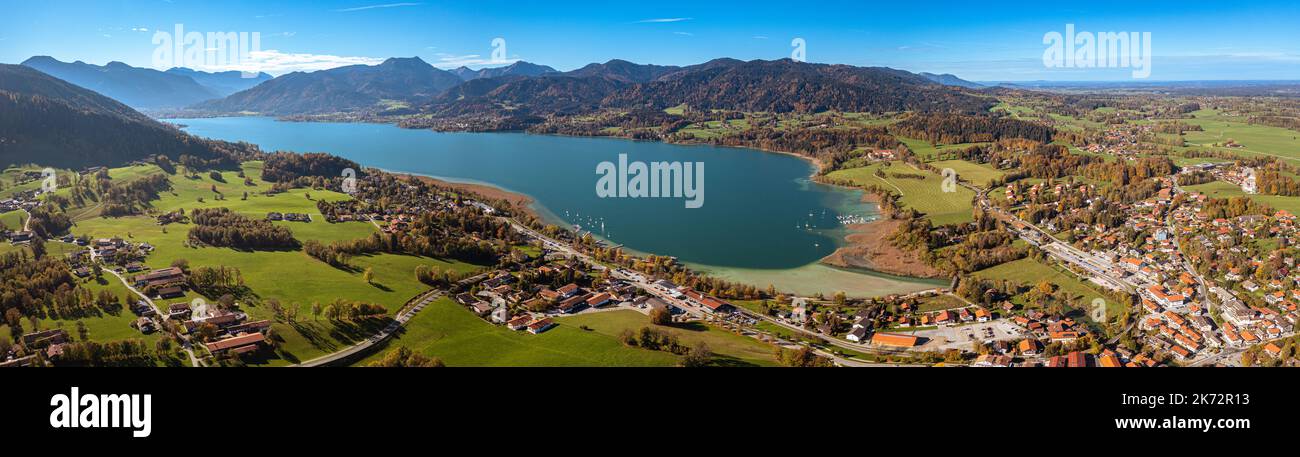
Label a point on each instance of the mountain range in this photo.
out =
(951, 80)
(145, 88)
(47, 120)
(389, 85)
(223, 83)
(514, 69)
(412, 86)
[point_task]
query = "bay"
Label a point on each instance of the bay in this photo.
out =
(762, 218)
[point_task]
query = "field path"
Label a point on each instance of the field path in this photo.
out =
(420, 301)
(194, 361)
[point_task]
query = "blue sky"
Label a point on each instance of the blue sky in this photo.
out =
(974, 40)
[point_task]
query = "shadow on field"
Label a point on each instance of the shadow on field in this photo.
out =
(728, 361)
(350, 333)
(694, 326)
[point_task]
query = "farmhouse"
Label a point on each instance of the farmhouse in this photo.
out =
(540, 325)
(519, 323)
(237, 344)
(160, 277)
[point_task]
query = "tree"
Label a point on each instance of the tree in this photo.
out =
(38, 248)
(405, 357)
(369, 275)
(315, 310)
(699, 356)
(661, 316)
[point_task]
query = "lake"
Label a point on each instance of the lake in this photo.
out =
(763, 220)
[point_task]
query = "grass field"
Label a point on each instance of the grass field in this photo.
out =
(1029, 272)
(291, 277)
(1256, 139)
(1220, 189)
(924, 195)
(728, 348)
(975, 173)
(450, 332)
(10, 176)
(288, 276)
(13, 220)
(928, 151)
(939, 303)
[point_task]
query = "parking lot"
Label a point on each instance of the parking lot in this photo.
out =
(961, 336)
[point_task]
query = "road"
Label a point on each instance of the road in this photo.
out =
(402, 317)
(698, 311)
(185, 341)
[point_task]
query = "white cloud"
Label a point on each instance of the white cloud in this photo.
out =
(276, 62)
(662, 20)
(446, 60)
(139, 29)
(684, 33)
(759, 37)
(371, 7)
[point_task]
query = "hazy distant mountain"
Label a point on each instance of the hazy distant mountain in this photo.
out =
(951, 80)
(222, 83)
(514, 69)
(464, 73)
(49, 121)
(141, 88)
(622, 70)
(351, 88)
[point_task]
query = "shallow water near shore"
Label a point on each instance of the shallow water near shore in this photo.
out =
(763, 220)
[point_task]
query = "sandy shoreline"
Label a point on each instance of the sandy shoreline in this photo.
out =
(869, 247)
(520, 201)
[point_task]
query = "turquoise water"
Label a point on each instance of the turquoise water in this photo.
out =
(760, 209)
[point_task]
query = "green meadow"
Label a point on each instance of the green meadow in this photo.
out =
(446, 330)
(728, 348)
(1220, 189)
(976, 173)
(1254, 139)
(289, 276)
(925, 195)
(1030, 272)
(928, 152)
